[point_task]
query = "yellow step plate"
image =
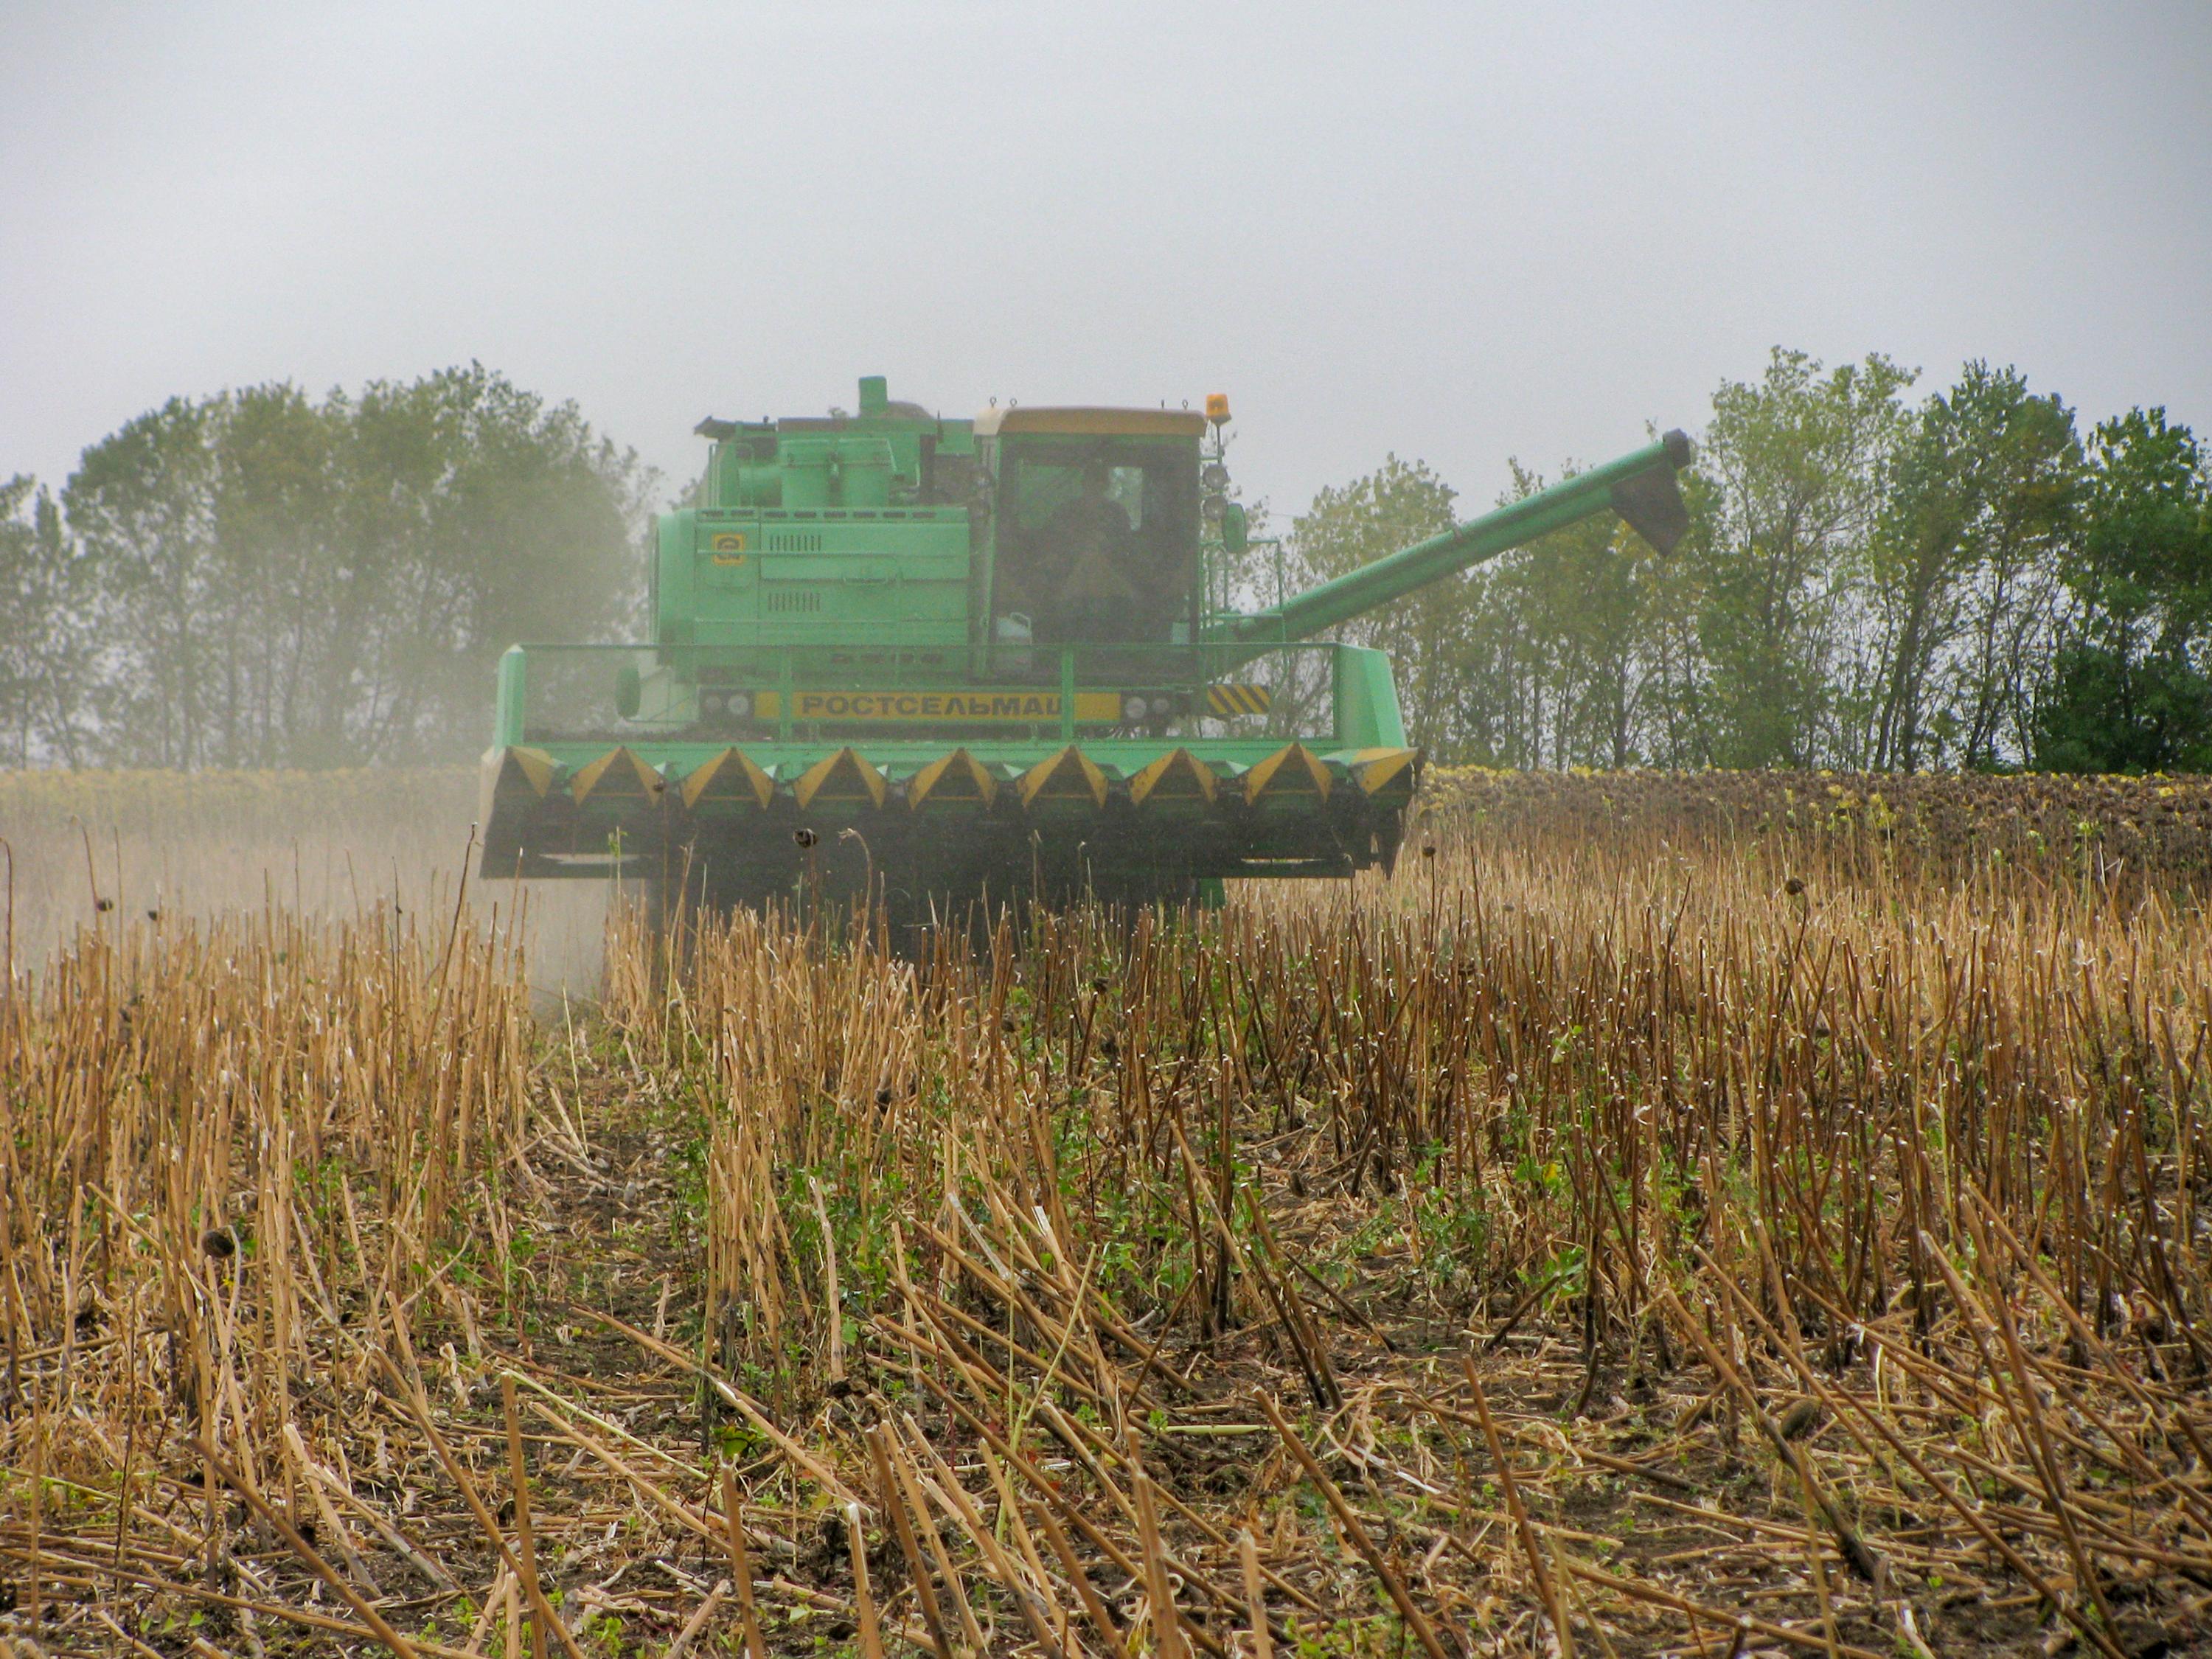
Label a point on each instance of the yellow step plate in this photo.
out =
(1289, 772)
(618, 774)
(843, 780)
(955, 779)
(730, 778)
(1069, 776)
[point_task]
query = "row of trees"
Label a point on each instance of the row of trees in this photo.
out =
(261, 579)
(1869, 582)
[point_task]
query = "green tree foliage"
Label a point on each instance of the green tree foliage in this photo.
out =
(1399, 503)
(1963, 570)
(1789, 486)
(2129, 690)
(279, 581)
(1866, 582)
(48, 687)
(1559, 664)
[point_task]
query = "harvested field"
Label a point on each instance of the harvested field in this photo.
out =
(1651, 1223)
(2120, 832)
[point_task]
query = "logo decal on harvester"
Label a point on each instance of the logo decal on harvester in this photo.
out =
(1014, 707)
(730, 547)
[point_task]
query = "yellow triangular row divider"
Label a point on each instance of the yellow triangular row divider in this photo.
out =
(943, 775)
(748, 775)
(535, 767)
(1375, 768)
(590, 775)
(1162, 775)
(1045, 780)
(1300, 769)
(845, 762)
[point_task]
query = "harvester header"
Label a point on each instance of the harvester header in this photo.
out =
(960, 657)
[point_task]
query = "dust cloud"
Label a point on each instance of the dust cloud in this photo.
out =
(168, 850)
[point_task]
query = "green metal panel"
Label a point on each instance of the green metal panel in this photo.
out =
(675, 606)
(864, 472)
(781, 577)
(1365, 698)
(513, 697)
(806, 472)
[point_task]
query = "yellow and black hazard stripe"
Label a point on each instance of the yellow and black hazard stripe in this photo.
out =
(1238, 699)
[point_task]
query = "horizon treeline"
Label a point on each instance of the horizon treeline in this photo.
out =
(1968, 579)
(261, 579)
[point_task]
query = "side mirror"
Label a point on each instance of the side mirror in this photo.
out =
(627, 691)
(1236, 529)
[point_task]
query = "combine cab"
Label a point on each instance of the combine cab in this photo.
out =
(947, 659)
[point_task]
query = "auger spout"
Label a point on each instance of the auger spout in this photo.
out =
(1640, 487)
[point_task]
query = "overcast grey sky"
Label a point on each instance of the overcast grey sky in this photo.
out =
(1463, 232)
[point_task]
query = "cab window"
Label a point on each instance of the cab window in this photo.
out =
(1098, 542)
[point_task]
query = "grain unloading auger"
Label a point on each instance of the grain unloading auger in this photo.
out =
(960, 657)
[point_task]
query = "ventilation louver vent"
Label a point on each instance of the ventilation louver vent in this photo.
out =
(789, 603)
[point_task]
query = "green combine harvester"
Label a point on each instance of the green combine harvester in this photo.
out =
(940, 661)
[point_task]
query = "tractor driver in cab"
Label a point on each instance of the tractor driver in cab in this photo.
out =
(1093, 587)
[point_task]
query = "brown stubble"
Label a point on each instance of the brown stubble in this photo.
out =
(1056, 1275)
